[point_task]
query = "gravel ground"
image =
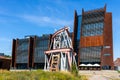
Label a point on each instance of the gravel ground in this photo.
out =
(101, 75)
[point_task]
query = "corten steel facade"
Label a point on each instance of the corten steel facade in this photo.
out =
(28, 52)
(92, 39)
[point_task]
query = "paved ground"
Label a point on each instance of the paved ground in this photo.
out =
(101, 75)
(98, 77)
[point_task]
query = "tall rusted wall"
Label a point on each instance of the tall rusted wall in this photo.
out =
(30, 52)
(74, 38)
(108, 41)
(13, 52)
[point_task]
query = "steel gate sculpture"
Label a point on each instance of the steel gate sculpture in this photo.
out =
(61, 55)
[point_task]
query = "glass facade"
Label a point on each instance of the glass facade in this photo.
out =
(79, 26)
(22, 53)
(92, 25)
(79, 19)
(41, 44)
(92, 29)
(90, 55)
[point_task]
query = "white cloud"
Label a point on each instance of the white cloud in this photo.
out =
(5, 40)
(44, 20)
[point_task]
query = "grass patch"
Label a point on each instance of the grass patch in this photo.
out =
(118, 71)
(38, 75)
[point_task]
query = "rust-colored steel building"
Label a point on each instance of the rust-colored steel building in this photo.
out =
(28, 53)
(92, 39)
(22, 53)
(5, 63)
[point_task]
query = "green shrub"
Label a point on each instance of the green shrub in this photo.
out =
(74, 70)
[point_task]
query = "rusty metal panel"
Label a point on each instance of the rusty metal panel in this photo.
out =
(91, 41)
(13, 52)
(31, 45)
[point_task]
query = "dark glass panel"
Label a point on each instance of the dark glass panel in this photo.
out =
(41, 46)
(92, 29)
(22, 51)
(90, 54)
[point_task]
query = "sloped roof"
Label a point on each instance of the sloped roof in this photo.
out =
(2, 57)
(117, 62)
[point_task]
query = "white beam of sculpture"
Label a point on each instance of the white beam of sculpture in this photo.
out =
(61, 55)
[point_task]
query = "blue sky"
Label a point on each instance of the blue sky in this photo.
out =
(36, 17)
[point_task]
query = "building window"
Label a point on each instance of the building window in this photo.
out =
(22, 51)
(107, 54)
(41, 46)
(79, 26)
(106, 46)
(90, 54)
(92, 29)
